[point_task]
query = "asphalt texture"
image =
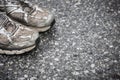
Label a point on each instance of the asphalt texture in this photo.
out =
(83, 44)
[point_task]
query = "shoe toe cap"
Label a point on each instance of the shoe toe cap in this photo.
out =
(50, 19)
(25, 39)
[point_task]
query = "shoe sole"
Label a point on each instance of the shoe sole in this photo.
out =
(40, 29)
(11, 52)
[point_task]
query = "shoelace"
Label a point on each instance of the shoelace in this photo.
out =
(3, 31)
(3, 24)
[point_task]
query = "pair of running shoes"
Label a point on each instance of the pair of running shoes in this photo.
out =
(20, 24)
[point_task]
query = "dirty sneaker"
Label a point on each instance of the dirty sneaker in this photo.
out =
(15, 38)
(28, 14)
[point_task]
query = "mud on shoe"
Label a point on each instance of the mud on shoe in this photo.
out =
(31, 15)
(15, 38)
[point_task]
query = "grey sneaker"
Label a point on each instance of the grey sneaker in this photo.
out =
(30, 15)
(15, 38)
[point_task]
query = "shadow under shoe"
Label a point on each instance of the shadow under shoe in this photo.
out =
(15, 38)
(31, 15)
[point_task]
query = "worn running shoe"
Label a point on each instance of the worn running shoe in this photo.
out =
(15, 38)
(28, 14)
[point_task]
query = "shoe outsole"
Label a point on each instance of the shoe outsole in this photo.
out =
(12, 52)
(40, 29)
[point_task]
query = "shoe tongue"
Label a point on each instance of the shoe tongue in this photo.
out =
(27, 6)
(7, 24)
(28, 9)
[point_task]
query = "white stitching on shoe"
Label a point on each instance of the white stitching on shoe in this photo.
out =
(26, 17)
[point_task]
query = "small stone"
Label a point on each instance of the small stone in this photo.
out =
(107, 59)
(54, 79)
(44, 76)
(97, 24)
(15, 73)
(86, 71)
(25, 76)
(65, 79)
(115, 61)
(33, 78)
(1, 64)
(100, 37)
(75, 73)
(56, 43)
(93, 71)
(111, 46)
(10, 69)
(92, 65)
(119, 11)
(42, 70)
(73, 32)
(106, 52)
(51, 64)
(22, 78)
(56, 59)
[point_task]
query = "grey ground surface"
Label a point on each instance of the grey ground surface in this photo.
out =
(84, 44)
